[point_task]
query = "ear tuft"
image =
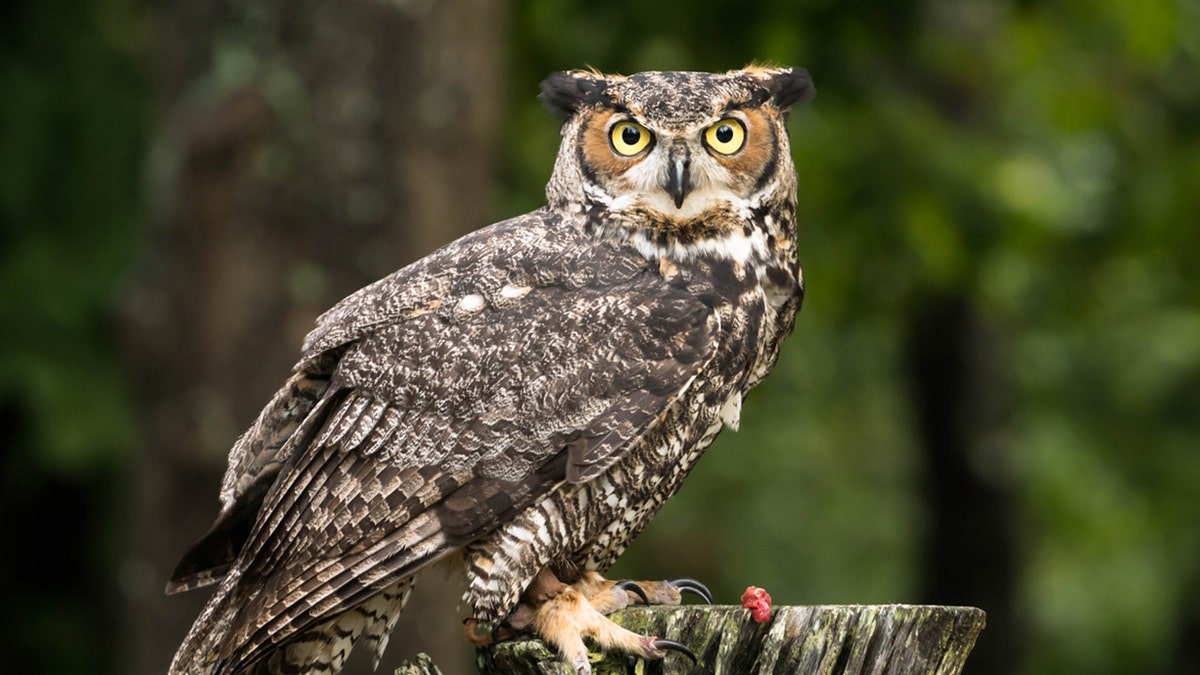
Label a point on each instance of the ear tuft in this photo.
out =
(785, 86)
(564, 93)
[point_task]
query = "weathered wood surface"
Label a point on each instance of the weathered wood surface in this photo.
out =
(818, 640)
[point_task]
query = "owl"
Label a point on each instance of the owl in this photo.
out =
(521, 402)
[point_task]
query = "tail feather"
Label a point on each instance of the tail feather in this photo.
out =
(384, 611)
(323, 648)
(200, 652)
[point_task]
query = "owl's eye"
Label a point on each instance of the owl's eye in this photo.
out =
(726, 137)
(630, 138)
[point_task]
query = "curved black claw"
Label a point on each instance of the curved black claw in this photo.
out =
(673, 646)
(694, 586)
(628, 585)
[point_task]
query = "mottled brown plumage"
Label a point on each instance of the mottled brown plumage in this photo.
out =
(526, 397)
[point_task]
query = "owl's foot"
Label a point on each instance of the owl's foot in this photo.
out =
(563, 615)
(666, 592)
(609, 596)
(566, 619)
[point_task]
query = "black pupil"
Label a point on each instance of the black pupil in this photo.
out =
(631, 135)
(724, 133)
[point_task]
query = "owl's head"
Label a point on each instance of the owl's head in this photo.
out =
(674, 154)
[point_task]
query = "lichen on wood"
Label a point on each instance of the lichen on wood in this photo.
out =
(816, 640)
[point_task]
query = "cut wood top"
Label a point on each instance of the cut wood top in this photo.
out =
(807, 640)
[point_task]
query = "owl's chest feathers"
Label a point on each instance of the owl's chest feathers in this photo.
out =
(744, 266)
(754, 300)
(753, 319)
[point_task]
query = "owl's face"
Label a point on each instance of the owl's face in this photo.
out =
(673, 147)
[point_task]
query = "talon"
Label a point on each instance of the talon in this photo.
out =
(628, 585)
(686, 584)
(662, 644)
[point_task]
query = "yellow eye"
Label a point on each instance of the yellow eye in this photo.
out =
(726, 137)
(630, 138)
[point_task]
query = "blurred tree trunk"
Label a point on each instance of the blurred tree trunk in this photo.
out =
(963, 401)
(303, 150)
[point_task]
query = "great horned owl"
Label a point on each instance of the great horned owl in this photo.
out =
(523, 400)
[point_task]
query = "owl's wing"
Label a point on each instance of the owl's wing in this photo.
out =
(254, 464)
(441, 424)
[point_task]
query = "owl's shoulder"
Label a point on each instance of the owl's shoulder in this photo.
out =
(538, 249)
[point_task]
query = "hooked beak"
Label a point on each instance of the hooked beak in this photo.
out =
(679, 182)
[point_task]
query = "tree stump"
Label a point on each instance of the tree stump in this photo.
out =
(818, 640)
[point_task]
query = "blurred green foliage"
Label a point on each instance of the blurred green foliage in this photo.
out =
(1040, 159)
(72, 116)
(71, 126)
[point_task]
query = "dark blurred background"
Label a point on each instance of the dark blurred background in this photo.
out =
(992, 396)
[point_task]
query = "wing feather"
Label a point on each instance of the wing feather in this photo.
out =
(206, 561)
(443, 422)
